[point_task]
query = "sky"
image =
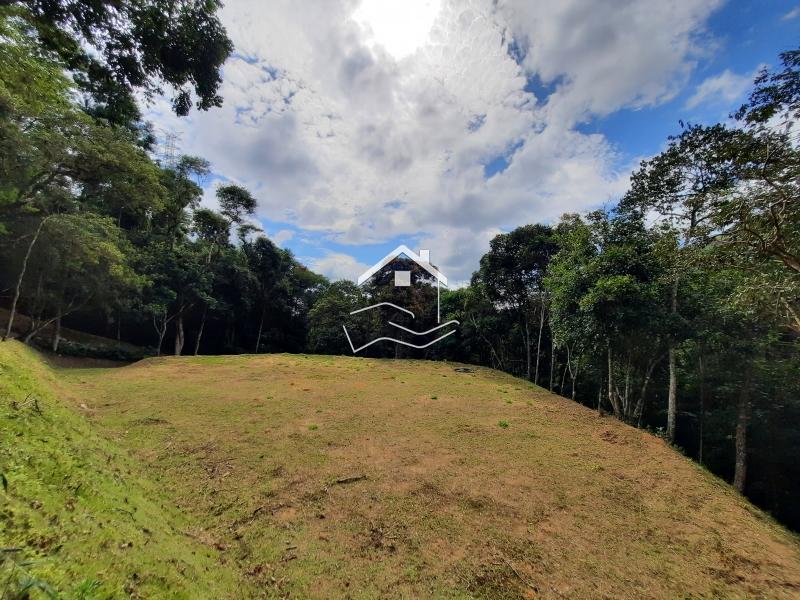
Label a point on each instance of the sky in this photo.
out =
(360, 125)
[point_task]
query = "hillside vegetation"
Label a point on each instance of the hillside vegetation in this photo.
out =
(77, 517)
(309, 476)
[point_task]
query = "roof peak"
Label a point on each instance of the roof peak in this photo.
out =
(403, 249)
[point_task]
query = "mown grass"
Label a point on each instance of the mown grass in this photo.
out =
(474, 484)
(326, 477)
(78, 518)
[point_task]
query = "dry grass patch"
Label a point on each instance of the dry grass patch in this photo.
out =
(345, 477)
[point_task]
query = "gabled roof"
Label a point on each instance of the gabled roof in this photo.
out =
(402, 249)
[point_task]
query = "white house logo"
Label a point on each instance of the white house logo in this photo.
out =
(402, 278)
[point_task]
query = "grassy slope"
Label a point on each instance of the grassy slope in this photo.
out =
(560, 503)
(87, 522)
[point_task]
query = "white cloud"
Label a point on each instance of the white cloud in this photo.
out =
(336, 265)
(336, 135)
(284, 235)
(632, 53)
(792, 14)
(724, 89)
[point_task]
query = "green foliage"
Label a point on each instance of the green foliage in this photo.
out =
(325, 318)
(53, 158)
(115, 49)
(775, 93)
(511, 276)
(86, 522)
(68, 347)
(235, 202)
(514, 267)
(211, 228)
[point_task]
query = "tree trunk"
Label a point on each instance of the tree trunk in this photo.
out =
(574, 380)
(20, 277)
(743, 418)
(539, 345)
(260, 328)
(56, 334)
(626, 403)
(600, 398)
(36, 311)
(41, 324)
(200, 331)
(702, 416)
(672, 399)
(160, 325)
(527, 350)
(497, 362)
(179, 333)
(552, 362)
(573, 374)
(794, 317)
(639, 410)
(611, 400)
(161, 334)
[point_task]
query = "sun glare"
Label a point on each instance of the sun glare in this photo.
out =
(399, 26)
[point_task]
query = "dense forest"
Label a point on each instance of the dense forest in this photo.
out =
(677, 310)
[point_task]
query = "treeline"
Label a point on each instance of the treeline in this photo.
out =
(95, 229)
(678, 310)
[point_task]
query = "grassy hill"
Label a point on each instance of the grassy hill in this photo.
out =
(310, 476)
(78, 517)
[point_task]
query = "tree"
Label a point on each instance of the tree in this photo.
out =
(681, 185)
(114, 49)
(329, 313)
(269, 265)
(213, 231)
(182, 182)
(512, 273)
(571, 327)
(54, 159)
(775, 94)
(84, 261)
(236, 203)
(607, 297)
(178, 280)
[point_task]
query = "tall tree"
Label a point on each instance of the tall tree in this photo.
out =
(608, 298)
(512, 273)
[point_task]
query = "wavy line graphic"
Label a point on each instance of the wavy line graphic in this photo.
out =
(423, 332)
(389, 339)
(405, 310)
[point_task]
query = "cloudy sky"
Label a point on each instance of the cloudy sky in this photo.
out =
(363, 124)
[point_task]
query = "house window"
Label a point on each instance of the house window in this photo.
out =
(402, 278)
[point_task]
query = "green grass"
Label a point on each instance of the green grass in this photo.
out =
(325, 477)
(87, 523)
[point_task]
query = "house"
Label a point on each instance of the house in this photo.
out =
(403, 278)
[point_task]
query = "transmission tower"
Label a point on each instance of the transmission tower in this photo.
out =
(168, 152)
